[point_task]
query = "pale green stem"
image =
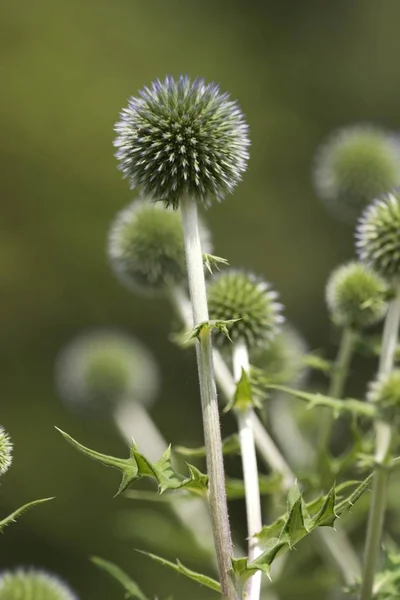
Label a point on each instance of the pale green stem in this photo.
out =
(337, 383)
(240, 359)
(383, 433)
(208, 393)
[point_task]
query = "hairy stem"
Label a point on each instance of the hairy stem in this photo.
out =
(383, 434)
(209, 402)
(250, 471)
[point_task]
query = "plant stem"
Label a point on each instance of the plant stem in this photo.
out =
(250, 471)
(383, 433)
(337, 383)
(209, 402)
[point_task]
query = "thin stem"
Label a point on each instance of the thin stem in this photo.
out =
(209, 402)
(250, 472)
(337, 383)
(383, 433)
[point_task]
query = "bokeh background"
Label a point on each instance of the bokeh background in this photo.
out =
(299, 70)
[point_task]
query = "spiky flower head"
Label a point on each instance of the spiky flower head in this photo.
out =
(235, 294)
(182, 137)
(378, 235)
(356, 165)
(98, 370)
(5, 451)
(146, 247)
(33, 584)
(356, 296)
(385, 391)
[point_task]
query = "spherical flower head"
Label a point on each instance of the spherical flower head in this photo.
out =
(182, 137)
(101, 369)
(356, 296)
(235, 294)
(356, 165)
(378, 235)
(33, 584)
(385, 391)
(146, 247)
(5, 451)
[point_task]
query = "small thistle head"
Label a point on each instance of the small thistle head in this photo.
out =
(5, 451)
(33, 584)
(98, 370)
(378, 235)
(385, 392)
(356, 165)
(356, 296)
(182, 137)
(235, 294)
(146, 247)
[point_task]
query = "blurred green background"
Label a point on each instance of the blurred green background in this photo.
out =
(299, 70)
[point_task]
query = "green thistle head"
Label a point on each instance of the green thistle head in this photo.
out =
(146, 247)
(356, 296)
(238, 295)
(356, 165)
(33, 584)
(182, 137)
(378, 235)
(5, 451)
(385, 391)
(98, 370)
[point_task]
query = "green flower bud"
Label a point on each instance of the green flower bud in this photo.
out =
(356, 296)
(385, 391)
(146, 247)
(5, 451)
(378, 235)
(356, 165)
(33, 584)
(98, 370)
(237, 295)
(182, 138)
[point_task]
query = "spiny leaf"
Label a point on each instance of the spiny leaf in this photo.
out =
(137, 466)
(211, 261)
(180, 568)
(14, 515)
(230, 445)
(349, 405)
(207, 326)
(131, 588)
(243, 397)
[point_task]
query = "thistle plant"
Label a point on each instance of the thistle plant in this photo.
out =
(5, 451)
(33, 584)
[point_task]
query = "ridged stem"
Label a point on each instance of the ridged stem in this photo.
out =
(250, 471)
(208, 393)
(383, 433)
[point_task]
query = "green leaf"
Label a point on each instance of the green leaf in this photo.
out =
(243, 397)
(137, 466)
(131, 588)
(207, 326)
(180, 568)
(14, 515)
(230, 445)
(313, 361)
(268, 484)
(210, 261)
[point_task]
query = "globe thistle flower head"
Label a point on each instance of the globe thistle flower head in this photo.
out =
(99, 370)
(385, 391)
(5, 451)
(235, 294)
(33, 584)
(356, 165)
(356, 296)
(146, 248)
(182, 137)
(378, 235)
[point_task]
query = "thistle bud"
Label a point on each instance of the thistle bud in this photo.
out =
(33, 584)
(182, 137)
(356, 296)
(99, 370)
(238, 295)
(356, 165)
(5, 451)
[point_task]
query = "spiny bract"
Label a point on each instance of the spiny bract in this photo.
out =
(146, 247)
(356, 165)
(33, 584)
(356, 296)
(5, 451)
(100, 369)
(378, 235)
(182, 137)
(238, 295)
